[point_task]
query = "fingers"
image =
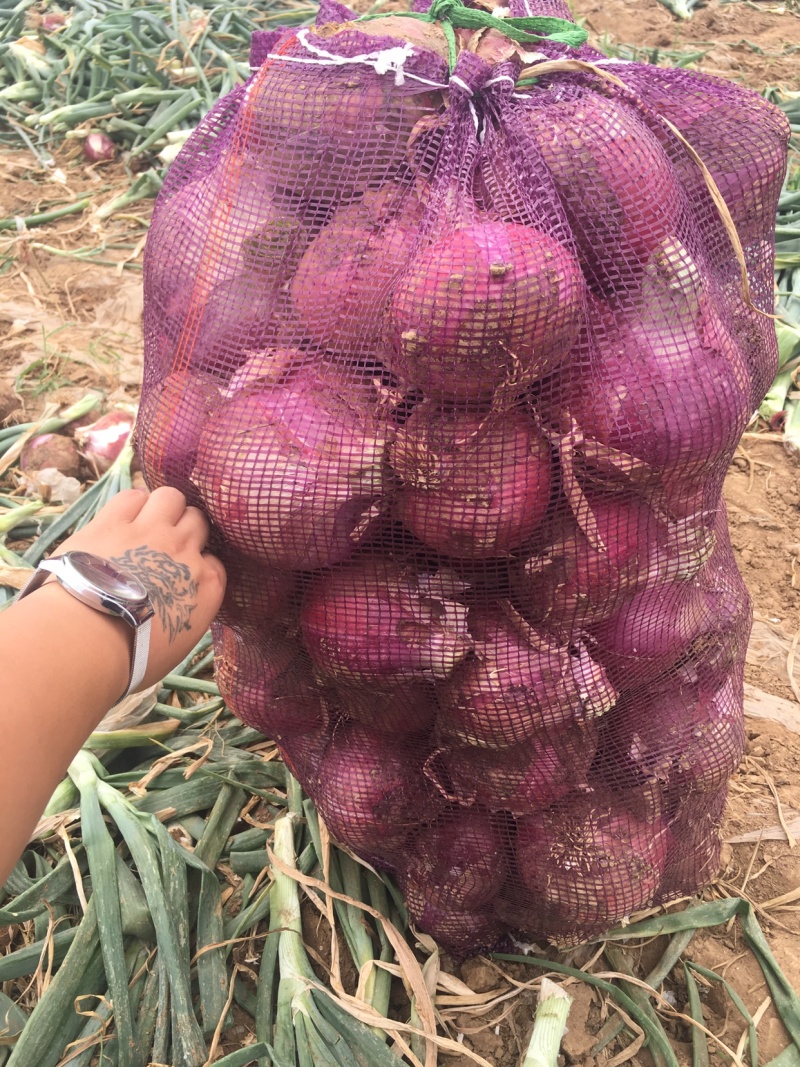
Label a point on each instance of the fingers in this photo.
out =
(195, 527)
(125, 506)
(166, 505)
(214, 580)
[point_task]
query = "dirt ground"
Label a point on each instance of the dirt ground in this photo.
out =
(70, 310)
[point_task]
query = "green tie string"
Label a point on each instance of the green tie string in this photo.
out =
(532, 29)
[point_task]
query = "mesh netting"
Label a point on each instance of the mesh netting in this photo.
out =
(455, 362)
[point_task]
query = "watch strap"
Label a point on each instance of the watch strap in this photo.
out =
(141, 651)
(39, 576)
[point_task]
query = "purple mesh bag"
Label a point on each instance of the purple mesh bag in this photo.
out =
(448, 337)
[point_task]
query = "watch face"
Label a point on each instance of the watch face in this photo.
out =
(105, 576)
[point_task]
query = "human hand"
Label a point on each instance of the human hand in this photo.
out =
(161, 541)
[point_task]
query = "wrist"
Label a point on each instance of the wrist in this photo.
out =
(87, 634)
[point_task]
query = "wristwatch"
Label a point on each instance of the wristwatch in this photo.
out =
(101, 585)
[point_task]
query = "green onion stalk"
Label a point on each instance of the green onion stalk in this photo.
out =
(311, 1029)
(549, 1025)
(775, 401)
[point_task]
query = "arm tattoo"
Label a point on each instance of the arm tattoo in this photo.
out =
(170, 585)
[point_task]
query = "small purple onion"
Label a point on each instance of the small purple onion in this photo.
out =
(168, 426)
(475, 485)
(523, 779)
(51, 450)
(293, 472)
(99, 148)
(102, 442)
(651, 631)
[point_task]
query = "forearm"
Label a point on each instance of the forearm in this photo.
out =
(50, 644)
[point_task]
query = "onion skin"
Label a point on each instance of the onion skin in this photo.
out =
(51, 450)
(573, 584)
(293, 474)
(99, 148)
(376, 622)
(526, 778)
(409, 708)
(459, 863)
(267, 366)
(619, 399)
(343, 280)
(597, 151)
(371, 792)
(652, 631)
(474, 486)
(689, 738)
(488, 304)
(326, 135)
(263, 679)
(168, 426)
(303, 753)
(590, 862)
(102, 442)
(519, 683)
(462, 933)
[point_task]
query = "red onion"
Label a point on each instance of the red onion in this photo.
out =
(525, 778)
(237, 316)
(462, 933)
(590, 862)
(99, 148)
(489, 304)
(267, 244)
(51, 450)
(171, 417)
(343, 281)
(728, 138)
(53, 20)
(475, 485)
(102, 442)
(458, 863)
(213, 306)
(378, 622)
(572, 583)
(293, 474)
(519, 683)
(255, 595)
(264, 681)
(402, 709)
(303, 753)
(327, 133)
(652, 631)
(721, 648)
(687, 737)
(597, 151)
(370, 791)
(677, 401)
